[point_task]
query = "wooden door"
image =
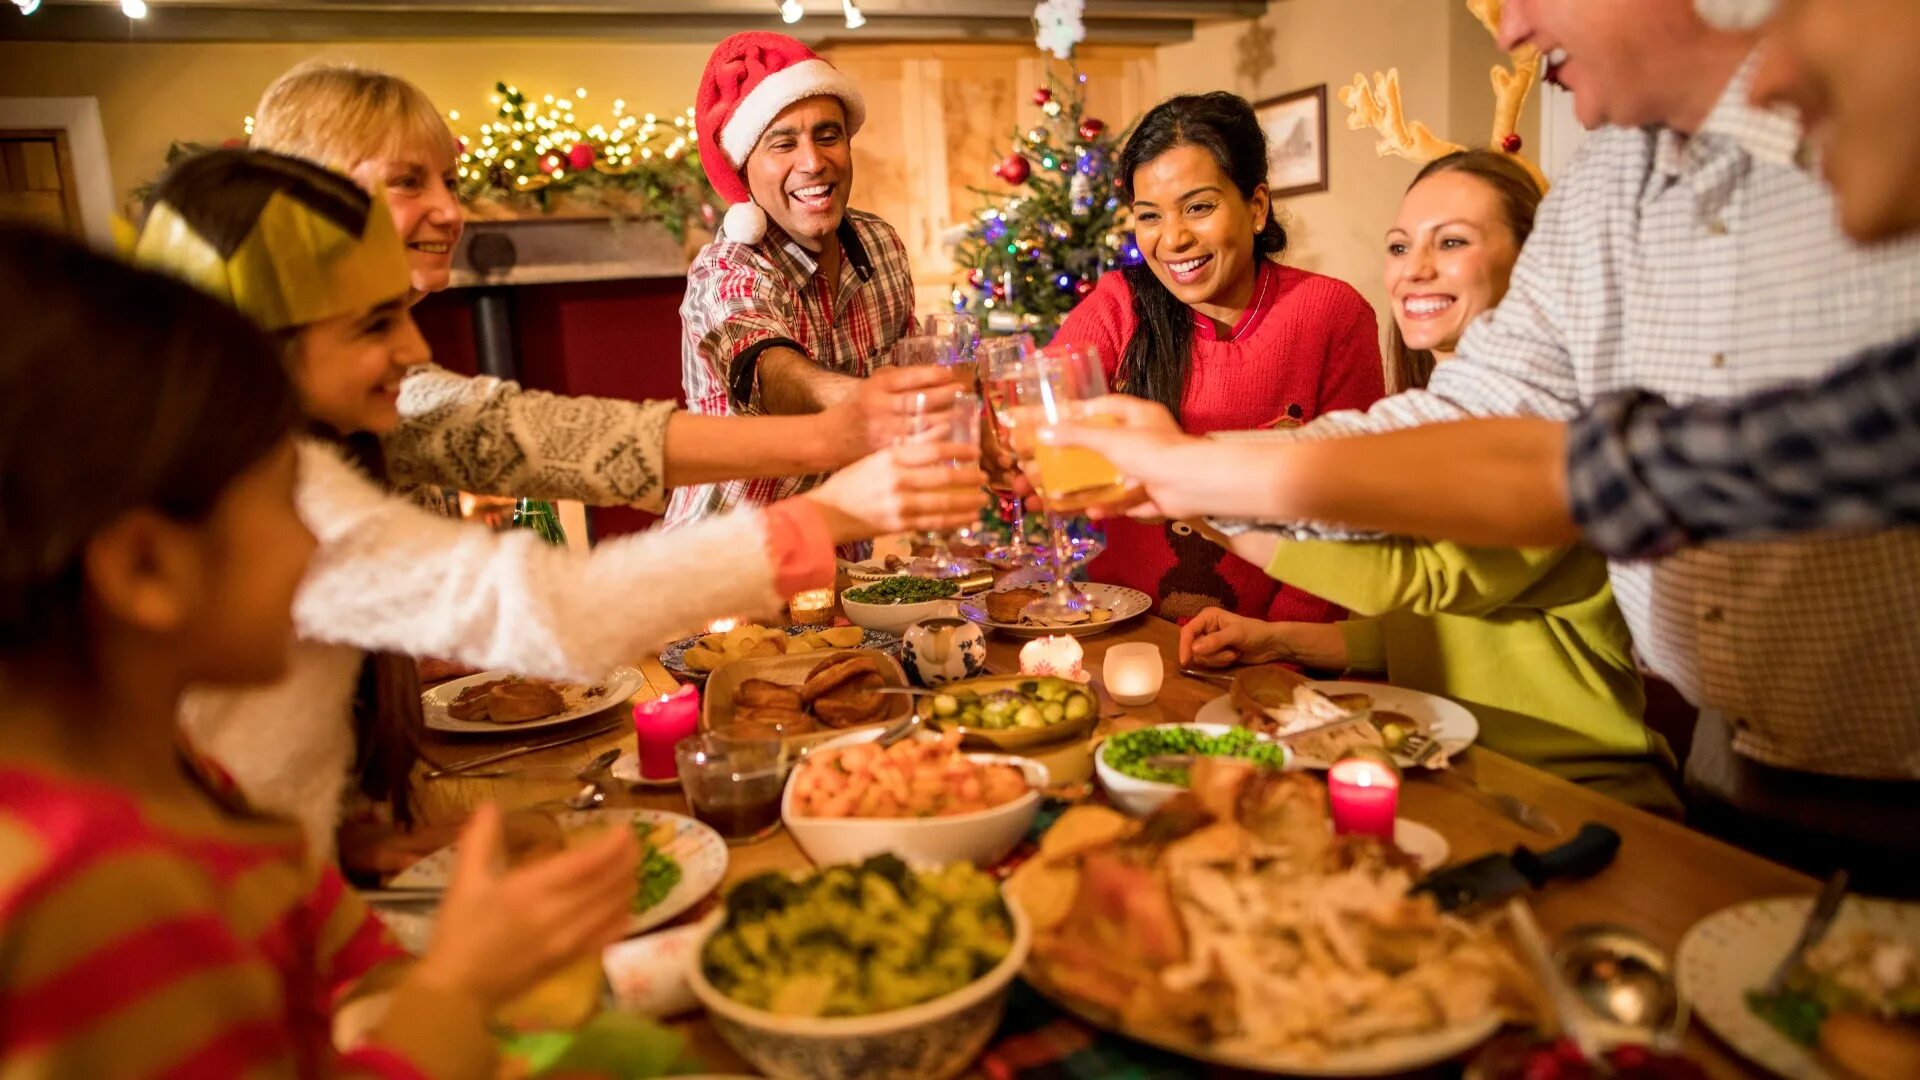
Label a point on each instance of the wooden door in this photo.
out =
(36, 180)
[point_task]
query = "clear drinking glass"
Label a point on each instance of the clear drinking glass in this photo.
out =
(1054, 386)
(998, 358)
(733, 777)
(963, 332)
(943, 414)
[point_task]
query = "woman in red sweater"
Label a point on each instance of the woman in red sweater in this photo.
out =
(1231, 339)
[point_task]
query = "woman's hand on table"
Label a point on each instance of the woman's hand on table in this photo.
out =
(500, 931)
(1217, 638)
(909, 488)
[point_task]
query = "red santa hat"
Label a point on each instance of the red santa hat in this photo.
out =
(750, 79)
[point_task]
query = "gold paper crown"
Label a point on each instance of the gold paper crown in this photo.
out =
(1375, 104)
(286, 242)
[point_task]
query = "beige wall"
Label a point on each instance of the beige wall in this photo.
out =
(1443, 56)
(153, 94)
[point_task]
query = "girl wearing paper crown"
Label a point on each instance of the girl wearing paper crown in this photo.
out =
(797, 304)
(316, 261)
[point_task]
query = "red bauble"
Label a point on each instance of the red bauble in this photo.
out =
(1014, 170)
(1512, 144)
(999, 291)
(1090, 128)
(233, 144)
(1082, 287)
(551, 163)
(580, 156)
(1042, 96)
(975, 278)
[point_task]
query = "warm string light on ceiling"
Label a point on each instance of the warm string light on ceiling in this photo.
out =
(792, 11)
(133, 9)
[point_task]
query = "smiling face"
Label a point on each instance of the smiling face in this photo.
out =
(349, 367)
(418, 182)
(1196, 231)
(1450, 255)
(801, 170)
(1628, 63)
(1847, 67)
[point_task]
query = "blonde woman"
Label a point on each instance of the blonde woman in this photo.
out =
(492, 437)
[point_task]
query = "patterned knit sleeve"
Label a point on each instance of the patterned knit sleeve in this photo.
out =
(492, 437)
(735, 308)
(390, 577)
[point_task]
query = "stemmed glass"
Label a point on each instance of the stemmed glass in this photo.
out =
(963, 331)
(1053, 386)
(943, 414)
(998, 358)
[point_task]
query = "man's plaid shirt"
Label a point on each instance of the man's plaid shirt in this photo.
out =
(743, 299)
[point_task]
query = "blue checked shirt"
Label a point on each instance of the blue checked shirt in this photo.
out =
(1645, 478)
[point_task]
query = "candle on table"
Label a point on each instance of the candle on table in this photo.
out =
(812, 608)
(1053, 655)
(721, 626)
(1364, 795)
(660, 725)
(1133, 672)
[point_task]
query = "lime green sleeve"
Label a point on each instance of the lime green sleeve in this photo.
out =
(1366, 644)
(1377, 576)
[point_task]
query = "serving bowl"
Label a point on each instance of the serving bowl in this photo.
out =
(935, 1040)
(1137, 797)
(983, 837)
(894, 618)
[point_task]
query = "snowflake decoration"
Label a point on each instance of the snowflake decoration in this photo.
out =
(1058, 27)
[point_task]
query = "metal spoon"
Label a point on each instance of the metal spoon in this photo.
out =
(1624, 983)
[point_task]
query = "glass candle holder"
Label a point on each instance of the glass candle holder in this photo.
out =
(1133, 672)
(812, 608)
(660, 725)
(1364, 796)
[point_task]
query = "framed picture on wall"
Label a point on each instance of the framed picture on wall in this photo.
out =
(1296, 127)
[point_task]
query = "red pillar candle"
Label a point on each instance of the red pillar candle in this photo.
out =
(1364, 796)
(660, 725)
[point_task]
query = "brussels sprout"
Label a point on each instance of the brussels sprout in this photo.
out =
(945, 705)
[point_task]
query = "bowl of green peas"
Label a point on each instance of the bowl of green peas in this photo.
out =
(893, 604)
(1012, 712)
(1138, 784)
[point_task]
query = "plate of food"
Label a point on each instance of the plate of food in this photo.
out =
(493, 701)
(1276, 702)
(1005, 609)
(681, 862)
(808, 698)
(1253, 937)
(1012, 712)
(1854, 1002)
(693, 659)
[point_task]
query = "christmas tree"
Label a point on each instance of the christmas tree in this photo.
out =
(1030, 257)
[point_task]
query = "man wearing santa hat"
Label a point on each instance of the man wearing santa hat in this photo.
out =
(796, 304)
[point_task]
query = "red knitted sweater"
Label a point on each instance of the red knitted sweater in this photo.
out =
(1308, 345)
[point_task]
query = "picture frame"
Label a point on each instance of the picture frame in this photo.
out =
(1296, 128)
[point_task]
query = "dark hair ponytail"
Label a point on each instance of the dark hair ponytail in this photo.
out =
(1159, 356)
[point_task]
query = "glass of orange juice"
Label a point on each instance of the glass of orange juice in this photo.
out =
(1055, 385)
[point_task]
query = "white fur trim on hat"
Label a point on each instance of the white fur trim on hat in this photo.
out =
(745, 223)
(756, 112)
(1735, 14)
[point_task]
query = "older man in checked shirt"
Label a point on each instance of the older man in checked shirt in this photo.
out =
(1690, 253)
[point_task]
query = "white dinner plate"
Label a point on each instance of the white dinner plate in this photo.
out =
(1735, 950)
(701, 853)
(1124, 603)
(610, 693)
(1448, 721)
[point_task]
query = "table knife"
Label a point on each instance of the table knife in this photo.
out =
(490, 759)
(1818, 920)
(1495, 877)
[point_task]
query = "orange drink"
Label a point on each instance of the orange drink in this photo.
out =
(1072, 478)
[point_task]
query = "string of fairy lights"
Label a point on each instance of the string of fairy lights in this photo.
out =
(533, 143)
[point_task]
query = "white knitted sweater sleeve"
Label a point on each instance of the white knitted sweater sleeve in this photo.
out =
(391, 577)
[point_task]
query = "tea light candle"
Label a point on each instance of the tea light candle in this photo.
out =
(1133, 672)
(1055, 655)
(658, 726)
(812, 608)
(721, 626)
(1364, 795)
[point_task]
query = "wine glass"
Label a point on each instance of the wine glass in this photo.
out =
(997, 358)
(943, 414)
(1054, 386)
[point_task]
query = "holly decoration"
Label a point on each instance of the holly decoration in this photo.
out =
(1014, 169)
(1033, 253)
(1512, 144)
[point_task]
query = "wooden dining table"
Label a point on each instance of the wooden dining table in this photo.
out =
(1666, 877)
